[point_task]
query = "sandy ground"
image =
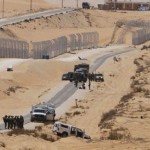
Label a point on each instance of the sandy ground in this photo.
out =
(33, 81)
(28, 77)
(91, 105)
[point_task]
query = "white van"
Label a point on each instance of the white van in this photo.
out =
(65, 130)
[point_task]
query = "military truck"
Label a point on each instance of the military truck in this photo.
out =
(43, 112)
(84, 67)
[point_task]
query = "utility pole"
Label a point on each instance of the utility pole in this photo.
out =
(30, 5)
(77, 3)
(62, 5)
(3, 6)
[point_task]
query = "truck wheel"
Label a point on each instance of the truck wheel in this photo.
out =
(64, 134)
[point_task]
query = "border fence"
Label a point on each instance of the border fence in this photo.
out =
(10, 48)
(140, 36)
(13, 48)
(61, 45)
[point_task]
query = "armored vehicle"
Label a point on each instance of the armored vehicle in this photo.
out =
(43, 112)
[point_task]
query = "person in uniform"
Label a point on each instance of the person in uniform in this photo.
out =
(8, 122)
(21, 122)
(89, 85)
(11, 122)
(5, 121)
(15, 122)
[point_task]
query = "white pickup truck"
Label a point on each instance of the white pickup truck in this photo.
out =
(64, 130)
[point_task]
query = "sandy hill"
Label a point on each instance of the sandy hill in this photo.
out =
(109, 112)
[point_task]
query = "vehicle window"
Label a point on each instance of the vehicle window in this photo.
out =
(39, 110)
(64, 126)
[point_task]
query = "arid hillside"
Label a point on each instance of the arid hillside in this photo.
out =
(104, 22)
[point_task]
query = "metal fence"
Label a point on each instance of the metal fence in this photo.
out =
(13, 49)
(58, 46)
(140, 36)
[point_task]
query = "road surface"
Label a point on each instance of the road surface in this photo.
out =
(17, 19)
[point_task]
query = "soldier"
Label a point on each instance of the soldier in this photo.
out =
(15, 122)
(21, 122)
(76, 83)
(5, 121)
(8, 121)
(89, 85)
(11, 121)
(83, 85)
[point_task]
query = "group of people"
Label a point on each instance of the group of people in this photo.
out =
(83, 84)
(13, 122)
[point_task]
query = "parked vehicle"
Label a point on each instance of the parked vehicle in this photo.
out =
(143, 8)
(10, 68)
(86, 5)
(68, 76)
(85, 67)
(43, 112)
(98, 77)
(65, 130)
(65, 76)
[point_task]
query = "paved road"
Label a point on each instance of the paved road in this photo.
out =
(17, 19)
(64, 94)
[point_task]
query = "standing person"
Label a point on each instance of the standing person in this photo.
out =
(5, 121)
(76, 83)
(8, 122)
(15, 122)
(89, 85)
(11, 122)
(83, 85)
(21, 122)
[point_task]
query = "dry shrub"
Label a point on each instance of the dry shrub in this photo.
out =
(76, 113)
(126, 97)
(107, 116)
(133, 77)
(144, 47)
(68, 114)
(38, 128)
(47, 137)
(21, 131)
(140, 69)
(119, 133)
(2, 144)
(136, 62)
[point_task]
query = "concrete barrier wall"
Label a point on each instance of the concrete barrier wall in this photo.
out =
(63, 44)
(140, 36)
(48, 49)
(13, 49)
(138, 24)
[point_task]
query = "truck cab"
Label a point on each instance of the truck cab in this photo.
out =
(42, 112)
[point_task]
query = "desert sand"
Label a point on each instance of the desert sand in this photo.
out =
(125, 90)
